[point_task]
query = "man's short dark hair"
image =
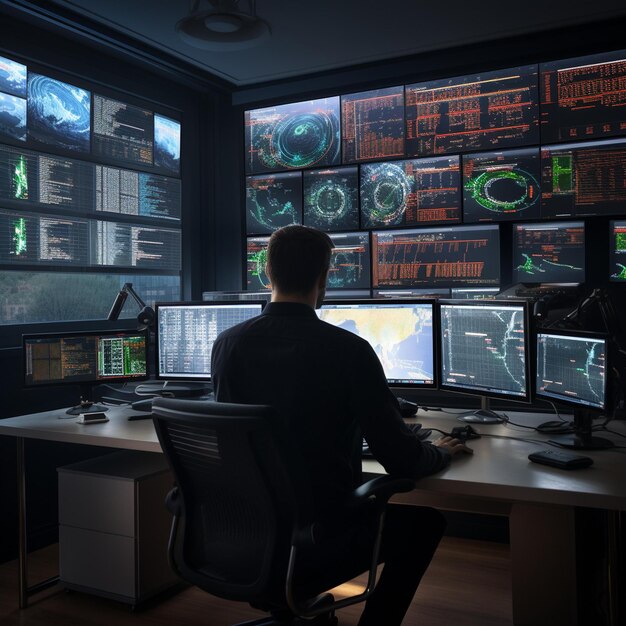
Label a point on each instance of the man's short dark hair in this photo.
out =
(296, 257)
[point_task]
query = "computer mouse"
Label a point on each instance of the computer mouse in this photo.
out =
(463, 433)
(554, 426)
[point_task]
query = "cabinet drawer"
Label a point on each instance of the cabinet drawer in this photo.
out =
(99, 561)
(102, 503)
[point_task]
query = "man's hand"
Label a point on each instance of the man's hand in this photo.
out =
(452, 445)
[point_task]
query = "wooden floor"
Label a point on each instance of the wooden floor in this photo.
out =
(467, 584)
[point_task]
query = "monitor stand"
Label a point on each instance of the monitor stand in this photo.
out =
(86, 405)
(484, 415)
(582, 438)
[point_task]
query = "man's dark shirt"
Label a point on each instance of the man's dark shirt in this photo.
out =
(329, 387)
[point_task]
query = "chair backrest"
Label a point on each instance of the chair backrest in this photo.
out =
(239, 498)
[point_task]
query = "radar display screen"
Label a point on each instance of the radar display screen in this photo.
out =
(499, 186)
(273, 201)
(373, 125)
(484, 349)
(122, 131)
(12, 117)
(583, 98)
(618, 251)
(256, 258)
(166, 143)
(12, 77)
(331, 198)
(571, 368)
(401, 334)
(487, 111)
(549, 252)
(445, 257)
(293, 136)
(349, 261)
(86, 357)
(59, 114)
(186, 334)
(583, 179)
(408, 193)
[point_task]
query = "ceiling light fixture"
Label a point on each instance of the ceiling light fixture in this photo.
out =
(223, 26)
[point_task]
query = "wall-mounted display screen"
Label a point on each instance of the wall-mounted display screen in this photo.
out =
(59, 114)
(408, 193)
(167, 143)
(549, 252)
(12, 77)
(617, 248)
(12, 117)
(293, 136)
(445, 257)
(331, 198)
(500, 186)
(350, 261)
(583, 98)
(372, 125)
(273, 201)
(583, 179)
(256, 258)
(122, 131)
(481, 112)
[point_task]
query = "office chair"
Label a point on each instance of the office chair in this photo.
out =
(242, 510)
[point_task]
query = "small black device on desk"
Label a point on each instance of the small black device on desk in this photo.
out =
(563, 460)
(463, 433)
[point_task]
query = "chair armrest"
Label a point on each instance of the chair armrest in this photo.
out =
(375, 492)
(380, 488)
(173, 503)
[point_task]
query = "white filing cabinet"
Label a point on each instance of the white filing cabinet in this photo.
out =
(113, 526)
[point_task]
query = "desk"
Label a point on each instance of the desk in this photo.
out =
(498, 479)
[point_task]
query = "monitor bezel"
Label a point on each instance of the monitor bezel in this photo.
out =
(390, 302)
(581, 334)
(87, 333)
(612, 251)
(200, 304)
(488, 393)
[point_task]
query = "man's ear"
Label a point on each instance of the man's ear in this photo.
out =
(322, 281)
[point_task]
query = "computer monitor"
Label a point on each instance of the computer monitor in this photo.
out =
(186, 332)
(580, 98)
(84, 358)
(617, 249)
(501, 186)
(583, 179)
(572, 371)
(485, 351)
(399, 331)
(415, 192)
(549, 252)
(451, 256)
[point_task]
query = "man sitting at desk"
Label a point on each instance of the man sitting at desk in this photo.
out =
(330, 388)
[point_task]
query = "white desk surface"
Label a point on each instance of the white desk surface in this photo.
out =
(118, 432)
(499, 469)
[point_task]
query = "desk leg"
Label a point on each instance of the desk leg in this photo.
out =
(543, 563)
(24, 590)
(21, 524)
